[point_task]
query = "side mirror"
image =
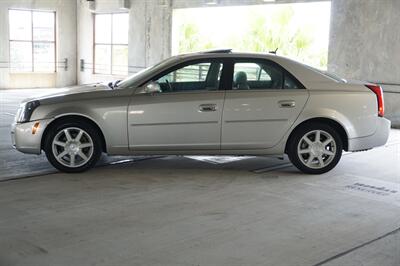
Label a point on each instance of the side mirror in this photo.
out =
(151, 88)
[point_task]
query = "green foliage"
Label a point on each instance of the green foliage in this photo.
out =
(264, 34)
(189, 38)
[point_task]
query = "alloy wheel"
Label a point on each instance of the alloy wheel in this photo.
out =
(316, 149)
(72, 147)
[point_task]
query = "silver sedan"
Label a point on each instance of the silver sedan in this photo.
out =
(209, 103)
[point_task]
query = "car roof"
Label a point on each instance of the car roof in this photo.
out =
(224, 53)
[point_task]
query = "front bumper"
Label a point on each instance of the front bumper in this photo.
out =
(23, 138)
(379, 138)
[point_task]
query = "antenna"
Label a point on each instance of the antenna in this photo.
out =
(274, 52)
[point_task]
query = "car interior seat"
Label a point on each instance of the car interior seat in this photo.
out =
(241, 81)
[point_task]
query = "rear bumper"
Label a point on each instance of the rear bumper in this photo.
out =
(379, 138)
(23, 139)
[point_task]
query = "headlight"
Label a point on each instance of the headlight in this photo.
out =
(25, 111)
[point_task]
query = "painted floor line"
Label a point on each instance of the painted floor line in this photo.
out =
(355, 248)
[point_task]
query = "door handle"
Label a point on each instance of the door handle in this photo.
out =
(207, 107)
(287, 104)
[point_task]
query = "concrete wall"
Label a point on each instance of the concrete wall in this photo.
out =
(364, 45)
(65, 39)
(150, 24)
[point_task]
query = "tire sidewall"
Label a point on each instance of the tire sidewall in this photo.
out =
(295, 139)
(97, 150)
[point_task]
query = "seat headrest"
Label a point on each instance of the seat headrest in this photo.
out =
(241, 77)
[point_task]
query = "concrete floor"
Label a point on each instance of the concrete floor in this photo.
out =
(184, 211)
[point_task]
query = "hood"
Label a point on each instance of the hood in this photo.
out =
(76, 90)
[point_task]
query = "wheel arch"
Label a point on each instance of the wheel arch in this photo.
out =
(76, 118)
(333, 123)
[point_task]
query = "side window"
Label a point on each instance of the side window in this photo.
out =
(256, 75)
(291, 83)
(263, 76)
(198, 76)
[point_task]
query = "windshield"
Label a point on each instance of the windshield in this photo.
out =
(137, 77)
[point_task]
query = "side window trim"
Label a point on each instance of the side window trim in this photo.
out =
(226, 81)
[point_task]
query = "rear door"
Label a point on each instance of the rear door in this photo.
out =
(262, 104)
(185, 115)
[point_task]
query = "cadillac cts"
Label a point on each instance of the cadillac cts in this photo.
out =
(211, 103)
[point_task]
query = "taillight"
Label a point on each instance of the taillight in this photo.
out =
(379, 95)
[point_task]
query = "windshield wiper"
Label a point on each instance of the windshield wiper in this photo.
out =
(114, 84)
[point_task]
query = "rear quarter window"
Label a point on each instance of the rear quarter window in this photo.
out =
(291, 83)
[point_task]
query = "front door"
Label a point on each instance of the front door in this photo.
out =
(186, 113)
(265, 100)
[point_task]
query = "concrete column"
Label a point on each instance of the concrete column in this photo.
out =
(158, 30)
(365, 39)
(365, 45)
(149, 40)
(137, 36)
(4, 48)
(66, 42)
(150, 31)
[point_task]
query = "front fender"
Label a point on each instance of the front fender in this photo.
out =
(109, 114)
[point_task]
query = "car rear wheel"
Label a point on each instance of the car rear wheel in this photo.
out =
(315, 148)
(73, 146)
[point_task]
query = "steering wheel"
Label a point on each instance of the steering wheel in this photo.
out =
(169, 85)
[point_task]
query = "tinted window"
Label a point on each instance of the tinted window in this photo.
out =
(256, 75)
(192, 77)
(191, 73)
(291, 83)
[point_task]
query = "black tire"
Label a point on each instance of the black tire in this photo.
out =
(301, 160)
(91, 131)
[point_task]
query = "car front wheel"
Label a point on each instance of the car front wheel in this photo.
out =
(315, 148)
(73, 146)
